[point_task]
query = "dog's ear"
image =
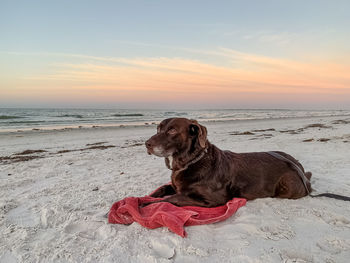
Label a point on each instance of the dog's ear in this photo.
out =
(200, 131)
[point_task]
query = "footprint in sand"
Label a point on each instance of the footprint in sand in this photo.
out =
(289, 255)
(331, 218)
(47, 216)
(22, 216)
(8, 205)
(334, 245)
(339, 220)
(162, 248)
(89, 230)
(277, 232)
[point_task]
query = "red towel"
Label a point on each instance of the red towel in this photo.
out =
(166, 214)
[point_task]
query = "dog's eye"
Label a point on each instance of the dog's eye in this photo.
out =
(172, 131)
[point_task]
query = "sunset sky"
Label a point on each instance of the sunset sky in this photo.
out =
(175, 54)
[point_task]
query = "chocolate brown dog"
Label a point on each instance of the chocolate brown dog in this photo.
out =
(204, 175)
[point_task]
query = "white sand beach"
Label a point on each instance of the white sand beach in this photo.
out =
(53, 202)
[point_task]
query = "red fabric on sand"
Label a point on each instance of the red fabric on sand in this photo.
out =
(155, 215)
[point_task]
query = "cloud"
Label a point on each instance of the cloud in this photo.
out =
(277, 38)
(243, 76)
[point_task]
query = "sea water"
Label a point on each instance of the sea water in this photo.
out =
(23, 119)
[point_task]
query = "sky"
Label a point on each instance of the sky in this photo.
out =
(175, 54)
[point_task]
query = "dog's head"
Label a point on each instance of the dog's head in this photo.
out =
(176, 137)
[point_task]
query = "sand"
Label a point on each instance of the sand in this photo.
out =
(56, 187)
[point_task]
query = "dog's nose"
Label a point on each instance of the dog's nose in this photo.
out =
(148, 144)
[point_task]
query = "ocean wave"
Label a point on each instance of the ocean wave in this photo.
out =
(25, 122)
(175, 113)
(29, 118)
(128, 115)
(8, 117)
(71, 115)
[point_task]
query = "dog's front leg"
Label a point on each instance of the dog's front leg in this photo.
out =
(179, 200)
(184, 200)
(164, 191)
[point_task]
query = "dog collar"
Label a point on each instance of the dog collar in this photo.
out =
(199, 157)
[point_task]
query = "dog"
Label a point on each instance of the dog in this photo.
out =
(203, 175)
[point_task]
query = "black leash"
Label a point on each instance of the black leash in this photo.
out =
(335, 196)
(305, 180)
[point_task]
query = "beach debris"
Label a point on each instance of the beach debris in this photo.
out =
(323, 140)
(27, 154)
(20, 158)
(308, 140)
(317, 125)
(95, 189)
(100, 147)
(264, 130)
(242, 133)
(96, 143)
(133, 143)
(262, 136)
(314, 125)
(65, 151)
(266, 135)
(30, 152)
(341, 122)
(292, 131)
(94, 146)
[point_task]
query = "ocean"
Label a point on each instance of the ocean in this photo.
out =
(25, 119)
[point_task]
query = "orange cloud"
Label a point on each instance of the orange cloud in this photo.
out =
(243, 76)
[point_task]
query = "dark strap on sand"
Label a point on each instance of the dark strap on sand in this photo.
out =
(335, 196)
(305, 180)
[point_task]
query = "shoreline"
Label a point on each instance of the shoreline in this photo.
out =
(151, 124)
